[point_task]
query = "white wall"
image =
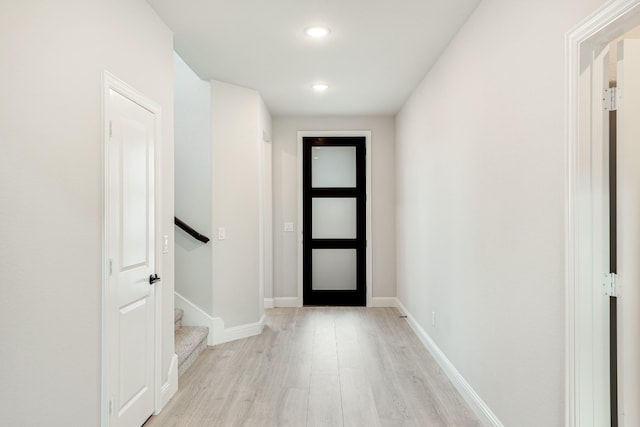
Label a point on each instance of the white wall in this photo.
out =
(53, 55)
(192, 103)
(239, 119)
(480, 205)
(285, 197)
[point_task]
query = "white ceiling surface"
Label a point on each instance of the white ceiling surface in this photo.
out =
(377, 53)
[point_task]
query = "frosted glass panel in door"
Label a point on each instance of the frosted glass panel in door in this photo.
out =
(333, 218)
(333, 269)
(333, 167)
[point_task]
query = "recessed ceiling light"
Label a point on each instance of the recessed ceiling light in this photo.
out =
(320, 87)
(317, 32)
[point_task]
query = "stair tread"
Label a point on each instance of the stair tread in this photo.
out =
(188, 338)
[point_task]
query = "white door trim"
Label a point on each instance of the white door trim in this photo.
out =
(266, 221)
(583, 239)
(110, 82)
(369, 251)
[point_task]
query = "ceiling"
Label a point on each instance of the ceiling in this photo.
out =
(376, 54)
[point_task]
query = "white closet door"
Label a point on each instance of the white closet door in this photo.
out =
(132, 261)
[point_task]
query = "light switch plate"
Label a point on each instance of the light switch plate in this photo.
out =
(165, 244)
(222, 233)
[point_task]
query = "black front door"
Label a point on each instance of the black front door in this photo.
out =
(334, 225)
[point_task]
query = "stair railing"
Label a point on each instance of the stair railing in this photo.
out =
(189, 230)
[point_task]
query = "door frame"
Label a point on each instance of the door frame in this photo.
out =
(369, 247)
(111, 82)
(586, 208)
(357, 243)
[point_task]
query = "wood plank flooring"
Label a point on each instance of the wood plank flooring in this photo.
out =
(328, 366)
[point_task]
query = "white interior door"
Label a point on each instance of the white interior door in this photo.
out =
(629, 231)
(597, 408)
(131, 252)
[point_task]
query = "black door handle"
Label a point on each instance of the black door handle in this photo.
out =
(153, 278)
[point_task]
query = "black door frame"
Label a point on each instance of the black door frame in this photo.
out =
(364, 253)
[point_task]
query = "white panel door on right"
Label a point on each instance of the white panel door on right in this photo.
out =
(131, 227)
(628, 217)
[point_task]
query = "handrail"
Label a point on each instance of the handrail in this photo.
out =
(193, 233)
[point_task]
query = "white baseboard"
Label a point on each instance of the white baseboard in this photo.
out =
(479, 407)
(286, 302)
(218, 334)
(383, 302)
(268, 303)
(195, 316)
(242, 331)
(171, 386)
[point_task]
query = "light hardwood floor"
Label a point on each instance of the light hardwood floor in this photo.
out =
(324, 366)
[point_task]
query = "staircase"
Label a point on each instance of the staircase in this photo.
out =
(190, 342)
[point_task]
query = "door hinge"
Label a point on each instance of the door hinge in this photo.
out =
(110, 267)
(610, 99)
(609, 285)
(110, 407)
(110, 128)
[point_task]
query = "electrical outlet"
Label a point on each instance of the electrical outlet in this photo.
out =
(222, 233)
(288, 226)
